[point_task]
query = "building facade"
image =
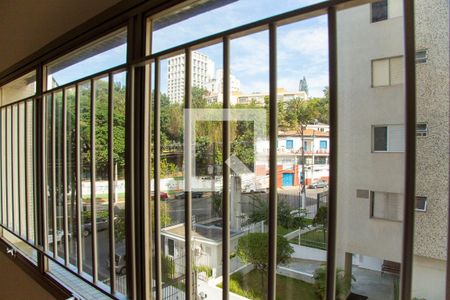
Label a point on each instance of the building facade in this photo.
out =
(372, 143)
(202, 73)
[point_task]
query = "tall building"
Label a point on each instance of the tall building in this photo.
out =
(372, 116)
(202, 73)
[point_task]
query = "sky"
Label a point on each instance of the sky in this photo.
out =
(302, 47)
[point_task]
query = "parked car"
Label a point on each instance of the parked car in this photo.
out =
(180, 195)
(162, 195)
(120, 260)
(318, 185)
(102, 224)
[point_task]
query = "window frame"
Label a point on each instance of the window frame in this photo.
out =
(387, 139)
(390, 71)
(132, 13)
(425, 204)
(371, 11)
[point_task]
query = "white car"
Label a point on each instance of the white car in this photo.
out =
(59, 236)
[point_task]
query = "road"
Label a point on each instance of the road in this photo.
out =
(202, 208)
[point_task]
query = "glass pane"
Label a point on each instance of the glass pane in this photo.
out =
(85, 170)
(303, 167)
(49, 170)
(430, 261)
(379, 10)
(380, 138)
(119, 102)
(202, 18)
(207, 136)
(102, 54)
(101, 179)
(3, 162)
(370, 185)
(71, 196)
(172, 204)
(20, 88)
(59, 188)
(249, 58)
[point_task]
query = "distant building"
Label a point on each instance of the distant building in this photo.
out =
(202, 73)
(259, 98)
(315, 146)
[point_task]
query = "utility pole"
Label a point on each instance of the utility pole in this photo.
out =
(303, 179)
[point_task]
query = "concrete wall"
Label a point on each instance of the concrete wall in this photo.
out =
(361, 107)
(432, 33)
(428, 278)
(18, 285)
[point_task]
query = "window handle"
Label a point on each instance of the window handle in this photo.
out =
(11, 251)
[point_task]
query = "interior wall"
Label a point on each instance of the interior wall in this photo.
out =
(17, 284)
(26, 26)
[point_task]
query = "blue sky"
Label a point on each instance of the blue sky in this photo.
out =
(302, 47)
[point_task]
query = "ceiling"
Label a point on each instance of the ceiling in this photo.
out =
(28, 25)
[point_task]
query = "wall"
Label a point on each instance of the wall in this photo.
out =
(27, 26)
(18, 285)
(360, 107)
(428, 278)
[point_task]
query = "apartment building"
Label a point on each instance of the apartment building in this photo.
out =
(203, 71)
(372, 143)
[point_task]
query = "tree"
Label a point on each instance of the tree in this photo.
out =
(321, 218)
(286, 218)
(303, 85)
(253, 248)
(300, 114)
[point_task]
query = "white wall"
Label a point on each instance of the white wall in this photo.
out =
(360, 107)
(428, 278)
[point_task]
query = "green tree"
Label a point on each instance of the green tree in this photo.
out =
(253, 248)
(321, 218)
(300, 114)
(343, 283)
(286, 218)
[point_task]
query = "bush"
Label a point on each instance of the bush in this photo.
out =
(205, 269)
(167, 268)
(343, 283)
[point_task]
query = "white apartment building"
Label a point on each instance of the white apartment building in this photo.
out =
(202, 73)
(371, 141)
(259, 98)
(215, 85)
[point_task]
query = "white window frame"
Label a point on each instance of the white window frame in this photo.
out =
(372, 206)
(389, 59)
(426, 204)
(387, 139)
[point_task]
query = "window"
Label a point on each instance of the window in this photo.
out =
(386, 206)
(387, 71)
(323, 145)
(379, 11)
(171, 247)
(102, 54)
(384, 9)
(421, 129)
(389, 138)
(18, 89)
(320, 160)
(421, 203)
(421, 56)
(289, 144)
